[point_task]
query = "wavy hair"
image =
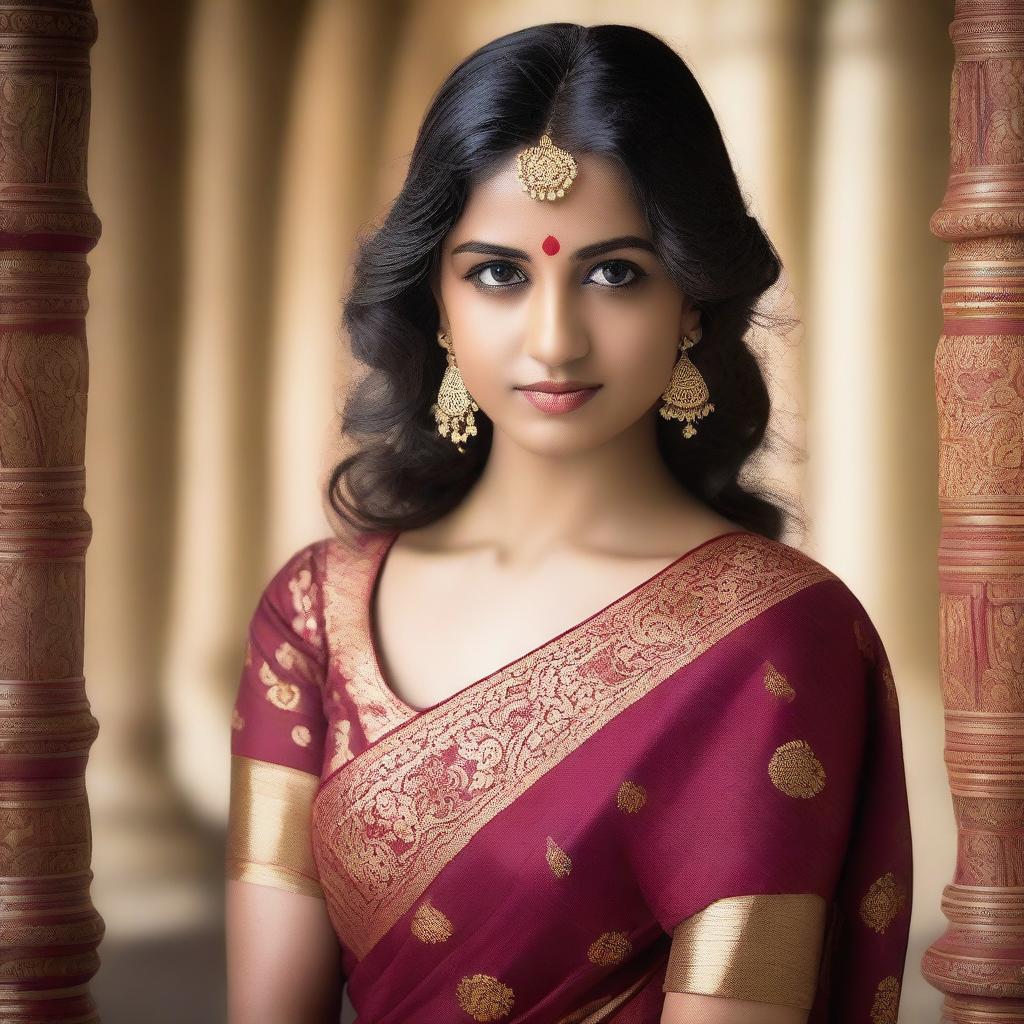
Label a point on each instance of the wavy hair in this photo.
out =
(613, 90)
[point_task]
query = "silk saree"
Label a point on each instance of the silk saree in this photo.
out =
(699, 788)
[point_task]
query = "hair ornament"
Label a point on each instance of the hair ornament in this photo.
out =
(545, 171)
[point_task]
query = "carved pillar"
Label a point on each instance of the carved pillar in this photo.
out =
(979, 378)
(49, 930)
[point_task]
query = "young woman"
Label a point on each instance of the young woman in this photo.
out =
(564, 731)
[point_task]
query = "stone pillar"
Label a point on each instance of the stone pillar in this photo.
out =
(979, 378)
(49, 930)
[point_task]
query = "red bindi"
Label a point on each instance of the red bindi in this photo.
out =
(550, 245)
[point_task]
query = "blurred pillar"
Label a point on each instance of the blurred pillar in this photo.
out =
(49, 930)
(979, 379)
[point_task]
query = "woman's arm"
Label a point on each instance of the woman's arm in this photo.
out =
(690, 1008)
(283, 960)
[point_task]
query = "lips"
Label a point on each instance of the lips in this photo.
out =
(557, 386)
(558, 401)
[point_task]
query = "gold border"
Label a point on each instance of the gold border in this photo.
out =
(348, 577)
(386, 823)
(765, 947)
(268, 838)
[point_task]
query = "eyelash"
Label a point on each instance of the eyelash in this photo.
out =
(638, 275)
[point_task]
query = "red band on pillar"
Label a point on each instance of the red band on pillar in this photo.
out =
(550, 245)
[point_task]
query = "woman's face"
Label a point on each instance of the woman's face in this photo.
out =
(570, 290)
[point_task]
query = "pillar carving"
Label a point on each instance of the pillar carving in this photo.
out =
(979, 379)
(49, 930)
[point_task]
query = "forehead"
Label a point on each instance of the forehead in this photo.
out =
(600, 203)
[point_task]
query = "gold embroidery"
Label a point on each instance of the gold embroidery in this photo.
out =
(796, 771)
(268, 838)
(882, 902)
(304, 622)
(765, 947)
(237, 721)
(290, 659)
(301, 736)
(631, 797)
(429, 924)
(610, 948)
(284, 696)
(887, 1001)
(484, 997)
(342, 751)
(424, 790)
(776, 683)
(558, 860)
(347, 582)
(248, 652)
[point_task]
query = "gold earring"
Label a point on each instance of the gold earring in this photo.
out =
(454, 407)
(686, 397)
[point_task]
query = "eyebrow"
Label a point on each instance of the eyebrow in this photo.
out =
(587, 252)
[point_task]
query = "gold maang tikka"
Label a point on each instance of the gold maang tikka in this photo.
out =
(686, 397)
(454, 408)
(546, 171)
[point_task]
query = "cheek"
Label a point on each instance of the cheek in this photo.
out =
(485, 356)
(638, 350)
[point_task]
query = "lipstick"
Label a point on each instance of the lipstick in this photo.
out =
(558, 401)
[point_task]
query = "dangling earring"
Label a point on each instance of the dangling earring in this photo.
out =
(686, 397)
(454, 407)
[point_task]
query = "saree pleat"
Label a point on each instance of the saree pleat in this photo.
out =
(699, 788)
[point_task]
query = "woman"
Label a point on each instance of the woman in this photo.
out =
(506, 754)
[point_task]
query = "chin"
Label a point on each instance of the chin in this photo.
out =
(557, 437)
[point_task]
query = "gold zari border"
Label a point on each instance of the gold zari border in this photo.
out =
(765, 947)
(511, 728)
(268, 826)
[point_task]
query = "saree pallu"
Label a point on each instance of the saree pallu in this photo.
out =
(699, 788)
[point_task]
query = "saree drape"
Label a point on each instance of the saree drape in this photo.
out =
(699, 788)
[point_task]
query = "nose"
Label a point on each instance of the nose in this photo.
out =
(555, 332)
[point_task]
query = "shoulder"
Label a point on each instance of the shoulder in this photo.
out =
(342, 551)
(302, 573)
(294, 580)
(809, 606)
(290, 603)
(323, 580)
(769, 566)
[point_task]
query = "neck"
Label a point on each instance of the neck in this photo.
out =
(531, 503)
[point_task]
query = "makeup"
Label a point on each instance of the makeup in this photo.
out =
(551, 245)
(555, 402)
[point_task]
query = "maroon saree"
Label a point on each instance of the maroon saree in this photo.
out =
(699, 788)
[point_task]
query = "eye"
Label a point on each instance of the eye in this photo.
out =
(499, 276)
(618, 269)
(503, 276)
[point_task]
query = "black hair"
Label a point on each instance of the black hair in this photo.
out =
(613, 90)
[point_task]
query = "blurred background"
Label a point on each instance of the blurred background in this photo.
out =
(236, 148)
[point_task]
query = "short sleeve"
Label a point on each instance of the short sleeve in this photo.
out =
(278, 728)
(768, 803)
